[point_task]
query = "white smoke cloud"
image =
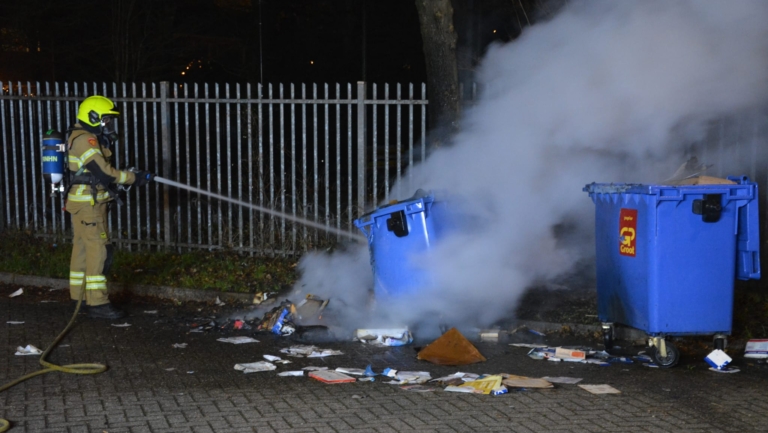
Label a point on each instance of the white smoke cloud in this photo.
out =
(604, 91)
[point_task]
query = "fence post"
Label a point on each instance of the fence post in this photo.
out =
(361, 151)
(165, 131)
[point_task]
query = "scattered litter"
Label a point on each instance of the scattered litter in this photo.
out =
(725, 370)
(255, 367)
(718, 359)
(385, 337)
(308, 310)
(490, 335)
(353, 371)
(11, 322)
(366, 379)
(563, 353)
(330, 376)
(238, 340)
(238, 324)
(535, 332)
(596, 362)
(419, 388)
(191, 372)
(180, 345)
(500, 390)
(456, 378)
(291, 373)
(562, 379)
(651, 365)
(29, 350)
(170, 369)
(756, 349)
(355, 396)
(219, 302)
(311, 368)
(302, 351)
(150, 311)
(513, 381)
(272, 358)
(528, 345)
(404, 377)
(452, 348)
(461, 389)
(600, 389)
(121, 325)
(369, 371)
(16, 293)
(277, 320)
(484, 385)
(259, 297)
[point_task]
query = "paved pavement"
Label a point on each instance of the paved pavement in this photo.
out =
(152, 387)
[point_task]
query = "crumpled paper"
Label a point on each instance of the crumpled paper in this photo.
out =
(29, 350)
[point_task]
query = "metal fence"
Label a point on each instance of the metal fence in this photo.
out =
(319, 152)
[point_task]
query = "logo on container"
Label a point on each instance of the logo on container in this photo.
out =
(627, 232)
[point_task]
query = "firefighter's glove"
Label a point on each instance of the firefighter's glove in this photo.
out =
(143, 178)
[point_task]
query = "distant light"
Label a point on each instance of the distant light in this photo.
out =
(311, 62)
(187, 67)
(494, 30)
(182, 73)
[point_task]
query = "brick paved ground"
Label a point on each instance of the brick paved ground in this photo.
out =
(203, 393)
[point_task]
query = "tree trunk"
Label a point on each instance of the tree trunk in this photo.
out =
(439, 41)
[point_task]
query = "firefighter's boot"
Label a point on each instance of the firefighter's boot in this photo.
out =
(104, 311)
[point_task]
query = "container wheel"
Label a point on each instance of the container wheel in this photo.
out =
(608, 337)
(673, 355)
(720, 342)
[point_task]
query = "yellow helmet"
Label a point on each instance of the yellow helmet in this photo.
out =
(93, 108)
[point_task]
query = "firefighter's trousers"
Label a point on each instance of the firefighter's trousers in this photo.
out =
(89, 253)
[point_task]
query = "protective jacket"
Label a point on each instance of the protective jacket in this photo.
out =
(92, 173)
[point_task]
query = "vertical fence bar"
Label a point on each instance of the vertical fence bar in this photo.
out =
(177, 177)
(283, 188)
(67, 118)
(399, 130)
(304, 160)
(198, 173)
(338, 158)
(374, 151)
(51, 125)
(350, 168)
(166, 143)
(386, 142)
(187, 154)
(423, 122)
(41, 128)
(156, 106)
(228, 152)
(24, 170)
(6, 202)
(218, 168)
(144, 131)
(14, 157)
(260, 173)
(270, 219)
(410, 131)
(240, 178)
(210, 165)
(315, 190)
(249, 113)
(361, 154)
(293, 168)
(32, 154)
(326, 179)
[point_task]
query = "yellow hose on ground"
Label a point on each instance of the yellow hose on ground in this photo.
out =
(49, 367)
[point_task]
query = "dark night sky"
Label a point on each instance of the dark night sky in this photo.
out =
(234, 40)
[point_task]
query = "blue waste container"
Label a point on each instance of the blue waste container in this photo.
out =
(398, 234)
(667, 257)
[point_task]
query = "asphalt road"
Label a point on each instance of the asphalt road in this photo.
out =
(152, 387)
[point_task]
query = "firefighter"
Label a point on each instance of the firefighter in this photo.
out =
(93, 183)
